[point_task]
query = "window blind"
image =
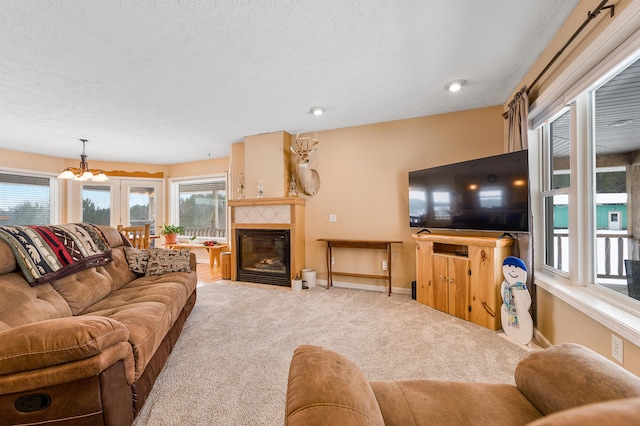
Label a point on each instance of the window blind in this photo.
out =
(24, 199)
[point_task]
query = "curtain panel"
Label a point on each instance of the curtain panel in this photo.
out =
(518, 117)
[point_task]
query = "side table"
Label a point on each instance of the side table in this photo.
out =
(365, 244)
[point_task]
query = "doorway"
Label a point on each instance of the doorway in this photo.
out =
(130, 202)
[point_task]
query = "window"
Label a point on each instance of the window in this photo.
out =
(556, 184)
(96, 204)
(603, 205)
(616, 148)
(200, 206)
(26, 199)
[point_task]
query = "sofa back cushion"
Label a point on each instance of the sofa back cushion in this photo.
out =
(7, 259)
(22, 304)
(569, 375)
(84, 288)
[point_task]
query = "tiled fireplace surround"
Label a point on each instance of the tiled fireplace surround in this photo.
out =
(270, 213)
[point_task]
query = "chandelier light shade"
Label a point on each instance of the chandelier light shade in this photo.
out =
(83, 172)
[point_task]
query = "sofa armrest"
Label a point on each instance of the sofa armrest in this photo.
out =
(193, 263)
(57, 341)
(570, 375)
(326, 388)
(619, 412)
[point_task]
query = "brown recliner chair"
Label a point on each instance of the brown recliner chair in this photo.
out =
(567, 384)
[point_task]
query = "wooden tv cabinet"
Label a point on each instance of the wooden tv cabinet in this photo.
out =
(461, 275)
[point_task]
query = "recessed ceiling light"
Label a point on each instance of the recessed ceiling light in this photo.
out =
(316, 110)
(455, 85)
(621, 123)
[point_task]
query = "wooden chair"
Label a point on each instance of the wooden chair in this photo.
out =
(138, 236)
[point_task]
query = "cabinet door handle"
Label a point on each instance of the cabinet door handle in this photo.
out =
(442, 278)
(488, 309)
(451, 281)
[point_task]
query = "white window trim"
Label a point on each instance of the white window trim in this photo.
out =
(174, 201)
(54, 187)
(618, 313)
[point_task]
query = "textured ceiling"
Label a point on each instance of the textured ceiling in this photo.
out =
(172, 81)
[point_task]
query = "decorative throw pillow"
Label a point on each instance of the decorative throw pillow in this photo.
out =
(162, 261)
(137, 259)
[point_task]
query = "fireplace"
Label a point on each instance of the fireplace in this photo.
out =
(263, 256)
(285, 216)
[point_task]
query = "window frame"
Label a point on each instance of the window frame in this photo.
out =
(55, 192)
(545, 178)
(174, 199)
(618, 313)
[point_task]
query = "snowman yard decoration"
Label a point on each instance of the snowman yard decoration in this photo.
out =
(516, 320)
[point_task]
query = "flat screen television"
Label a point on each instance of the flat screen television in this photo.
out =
(486, 194)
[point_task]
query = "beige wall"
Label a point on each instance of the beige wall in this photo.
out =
(266, 161)
(557, 322)
(364, 181)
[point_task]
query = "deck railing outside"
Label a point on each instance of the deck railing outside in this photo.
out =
(612, 249)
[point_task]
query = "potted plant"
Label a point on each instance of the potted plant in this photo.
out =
(170, 233)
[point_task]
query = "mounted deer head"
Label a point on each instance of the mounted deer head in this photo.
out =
(308, 178)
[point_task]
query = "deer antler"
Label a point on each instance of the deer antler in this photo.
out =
(298, 143)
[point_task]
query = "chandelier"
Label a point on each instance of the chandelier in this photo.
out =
(83, 172)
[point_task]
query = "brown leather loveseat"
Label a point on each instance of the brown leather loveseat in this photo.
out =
(564, 385)
(87, 348)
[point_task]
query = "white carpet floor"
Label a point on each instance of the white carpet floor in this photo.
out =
(230, 365)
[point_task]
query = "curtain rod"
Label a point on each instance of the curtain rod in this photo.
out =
(590, 17)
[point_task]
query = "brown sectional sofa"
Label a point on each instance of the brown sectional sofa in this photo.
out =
(86, 348)
(564, 385)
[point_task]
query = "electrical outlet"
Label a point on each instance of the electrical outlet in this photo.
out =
(617, 349)
(333, 218)
(384, 265)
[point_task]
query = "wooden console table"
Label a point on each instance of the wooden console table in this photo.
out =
(365, 244)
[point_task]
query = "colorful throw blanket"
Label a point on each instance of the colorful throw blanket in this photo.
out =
(48, 253)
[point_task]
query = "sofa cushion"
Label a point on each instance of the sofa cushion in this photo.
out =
(7, 259)
(147, 322)
(22, 304)
(163, 261)
(52, 342)
(83, 289)
(172, 290)
(432, 402)
(569, 375)
(346, 399)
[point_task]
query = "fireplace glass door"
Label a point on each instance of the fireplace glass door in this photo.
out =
(263, 256)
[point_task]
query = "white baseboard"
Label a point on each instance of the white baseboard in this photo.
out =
(368, 287)
(543, 341)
